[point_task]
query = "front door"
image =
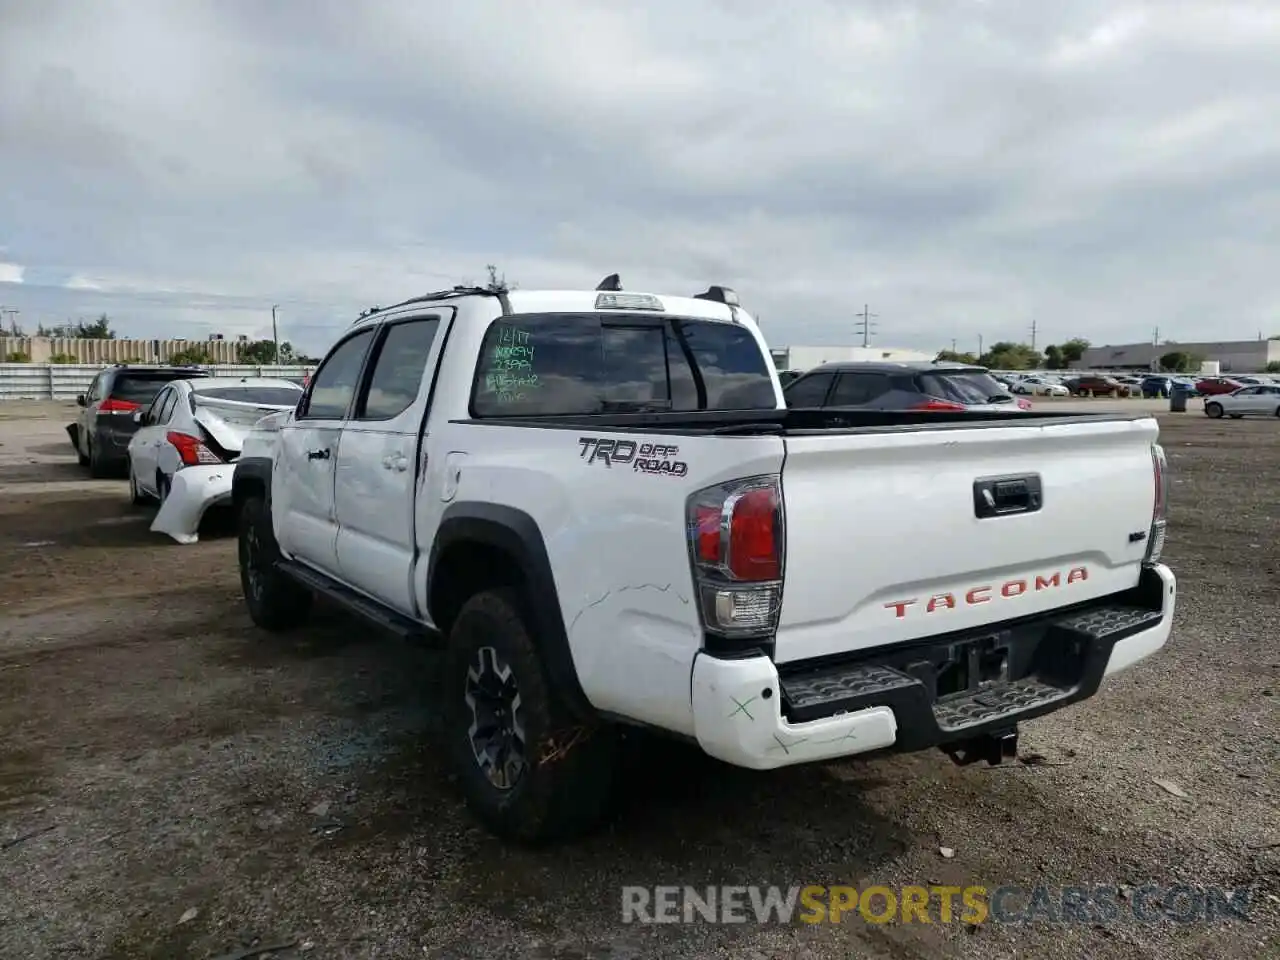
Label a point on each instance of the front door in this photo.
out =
(378, 467)
(302, 507)
(144, 447)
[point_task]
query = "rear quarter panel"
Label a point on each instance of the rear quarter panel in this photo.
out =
(616, 539)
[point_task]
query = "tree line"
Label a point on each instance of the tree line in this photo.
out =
(1006, 355)
(256, 352)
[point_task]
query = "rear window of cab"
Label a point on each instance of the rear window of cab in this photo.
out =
(573, 364)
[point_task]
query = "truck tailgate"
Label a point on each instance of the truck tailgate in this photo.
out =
(884, 542)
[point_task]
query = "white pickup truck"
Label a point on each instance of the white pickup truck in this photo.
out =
(600, 505)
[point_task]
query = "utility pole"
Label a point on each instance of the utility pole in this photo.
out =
(275, 335)
(979, 344)
(11, 312)
(1033, 334)
(953, 344)
(866, 326)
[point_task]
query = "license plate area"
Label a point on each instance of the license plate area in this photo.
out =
(972, 666)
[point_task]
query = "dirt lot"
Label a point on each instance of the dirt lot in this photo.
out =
(158, 756)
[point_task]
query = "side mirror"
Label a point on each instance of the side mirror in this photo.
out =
(80, 401)
(139, 416)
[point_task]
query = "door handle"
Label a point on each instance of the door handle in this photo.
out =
(318, 454)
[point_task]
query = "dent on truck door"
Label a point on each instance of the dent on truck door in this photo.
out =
(302, 492)
(377, 465)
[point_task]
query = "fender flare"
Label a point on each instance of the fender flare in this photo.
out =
(517, 534)
(252, 474)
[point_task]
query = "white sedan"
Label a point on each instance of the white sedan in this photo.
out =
(1256, 400)
(1040, 387)
(183, 454)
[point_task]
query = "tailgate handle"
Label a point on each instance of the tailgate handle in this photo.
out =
(1002, 496)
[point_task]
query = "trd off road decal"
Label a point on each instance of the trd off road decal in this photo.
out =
(659, 458)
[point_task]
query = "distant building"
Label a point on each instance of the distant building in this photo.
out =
(1233, 356)
(805, 358)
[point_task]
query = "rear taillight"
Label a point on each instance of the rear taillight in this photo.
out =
(939, 405)
(191, 450)
(736, 547)
(112, 405)
(1160, 504)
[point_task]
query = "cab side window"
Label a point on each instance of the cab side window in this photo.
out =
(334, 385)
(398, 369)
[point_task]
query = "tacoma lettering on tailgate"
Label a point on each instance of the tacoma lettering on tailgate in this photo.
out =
(1009, 590)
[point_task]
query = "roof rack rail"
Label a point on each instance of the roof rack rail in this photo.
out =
(612, 283)
(459, 291)
(720, 295)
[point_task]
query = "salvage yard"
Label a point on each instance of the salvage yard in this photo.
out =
(173, 783)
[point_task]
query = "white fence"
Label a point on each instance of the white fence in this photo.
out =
(63, 381)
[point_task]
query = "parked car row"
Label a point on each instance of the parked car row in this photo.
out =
(901, 386)
(173, 432)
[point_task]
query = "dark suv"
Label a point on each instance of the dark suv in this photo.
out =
(899, 386)
(105, 424)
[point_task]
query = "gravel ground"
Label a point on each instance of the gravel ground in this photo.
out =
(161, 760)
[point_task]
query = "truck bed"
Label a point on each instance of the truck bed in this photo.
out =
(800, 421)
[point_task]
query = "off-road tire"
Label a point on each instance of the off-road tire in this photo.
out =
(136, 496)
(275, 602)
(1213, 410)
(99, 466)
(567, 784)
(73, 431)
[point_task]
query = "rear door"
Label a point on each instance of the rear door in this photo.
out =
(144, 448)
(378, 471)
(855, 389)
(302, 505)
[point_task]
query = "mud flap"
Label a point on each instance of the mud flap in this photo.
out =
(191, 492)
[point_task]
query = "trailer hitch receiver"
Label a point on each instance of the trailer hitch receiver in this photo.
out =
(994, 747)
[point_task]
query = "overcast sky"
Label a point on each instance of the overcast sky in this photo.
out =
(964, 167)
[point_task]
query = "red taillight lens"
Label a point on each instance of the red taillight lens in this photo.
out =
(707, 520)
(753, 540)
(940, 405)
(736, 547)
(112, 405)
(191, 449)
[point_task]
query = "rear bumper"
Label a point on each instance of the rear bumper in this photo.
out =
(112, 433)
(749, 714)
(192, 491)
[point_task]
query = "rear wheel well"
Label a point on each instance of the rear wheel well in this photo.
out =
(464, 569)
(243, 489)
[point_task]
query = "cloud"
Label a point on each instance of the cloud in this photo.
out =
(11, 272)
(964, 168)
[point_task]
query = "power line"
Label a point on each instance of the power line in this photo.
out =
(865, 325)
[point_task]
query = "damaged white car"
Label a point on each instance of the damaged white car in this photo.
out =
(188, 439)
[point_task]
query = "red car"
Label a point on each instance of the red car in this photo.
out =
(1214, 385)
